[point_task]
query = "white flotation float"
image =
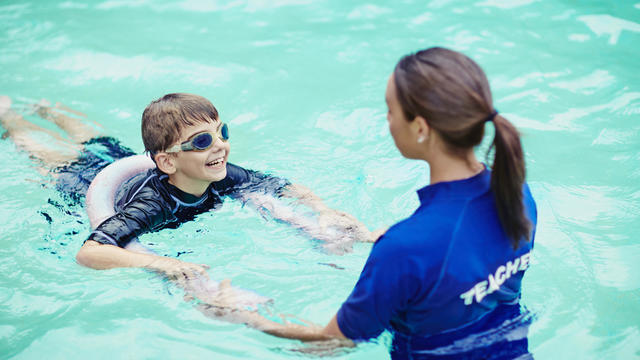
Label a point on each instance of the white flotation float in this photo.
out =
(101, 195)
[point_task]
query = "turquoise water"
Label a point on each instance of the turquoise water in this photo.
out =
(301, 84)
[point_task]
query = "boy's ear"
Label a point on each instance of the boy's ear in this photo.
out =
(165, 163)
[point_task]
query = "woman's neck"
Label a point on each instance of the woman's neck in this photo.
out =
(446, 167)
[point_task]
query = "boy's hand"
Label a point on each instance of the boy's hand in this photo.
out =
(175, 269)
(376, 234)
(225, 304)
(226, 297)
(346, 223)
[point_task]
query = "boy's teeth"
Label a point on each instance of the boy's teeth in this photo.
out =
(215, 162)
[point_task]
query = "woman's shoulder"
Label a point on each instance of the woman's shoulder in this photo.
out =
(530, 207)
(424, 231)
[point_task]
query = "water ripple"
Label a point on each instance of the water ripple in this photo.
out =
(609, 25)
(506, 4)
(568, 118)
(616, 266)
(368, 12)
(588, 84)
(85, 67)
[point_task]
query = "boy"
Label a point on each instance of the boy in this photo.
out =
(188, 142)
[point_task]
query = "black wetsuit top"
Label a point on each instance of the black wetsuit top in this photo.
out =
(147, 202)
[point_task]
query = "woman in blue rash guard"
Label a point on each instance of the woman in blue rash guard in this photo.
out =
(445, 281)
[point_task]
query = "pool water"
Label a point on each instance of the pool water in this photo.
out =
(301, 84)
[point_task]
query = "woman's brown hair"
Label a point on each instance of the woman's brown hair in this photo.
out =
(451, 92)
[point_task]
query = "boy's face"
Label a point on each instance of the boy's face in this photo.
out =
(197, 169)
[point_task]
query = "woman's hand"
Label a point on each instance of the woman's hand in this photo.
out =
(175, 269)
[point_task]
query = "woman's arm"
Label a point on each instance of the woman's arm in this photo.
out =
(308, 333)
(301, 332)
(225, 306)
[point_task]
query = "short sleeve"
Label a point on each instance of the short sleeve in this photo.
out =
(384, 290)
(239, 179)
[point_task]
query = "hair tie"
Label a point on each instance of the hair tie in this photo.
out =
(491, 116)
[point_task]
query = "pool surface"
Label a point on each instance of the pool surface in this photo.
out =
(301, 84)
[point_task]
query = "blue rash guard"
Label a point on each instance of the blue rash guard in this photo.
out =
(444, 273)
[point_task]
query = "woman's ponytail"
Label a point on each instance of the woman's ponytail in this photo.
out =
(507, 178)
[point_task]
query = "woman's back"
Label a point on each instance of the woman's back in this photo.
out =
(443, 268)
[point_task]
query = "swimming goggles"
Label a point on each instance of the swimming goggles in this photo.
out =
(202, 141)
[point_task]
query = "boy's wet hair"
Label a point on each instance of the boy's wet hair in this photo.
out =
(164, 119)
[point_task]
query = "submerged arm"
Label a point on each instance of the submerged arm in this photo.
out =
(329, 217)
(305, 196)
(337, 229)
(226, 306)
(304, 333)
(103, 256)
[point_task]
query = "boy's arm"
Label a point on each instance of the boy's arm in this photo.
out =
(106, 246)
(329, 216)
(101, 256)
(262, 190)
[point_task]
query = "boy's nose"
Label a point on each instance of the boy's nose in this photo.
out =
(217, 143)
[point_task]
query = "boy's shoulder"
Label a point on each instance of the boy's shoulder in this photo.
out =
(149, 184)
(142, 204)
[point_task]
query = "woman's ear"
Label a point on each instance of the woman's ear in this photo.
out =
(421, 129)
(165, 163)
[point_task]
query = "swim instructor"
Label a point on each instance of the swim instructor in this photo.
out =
(453, 268)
